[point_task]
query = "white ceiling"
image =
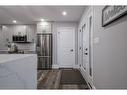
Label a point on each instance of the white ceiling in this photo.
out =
(31, 14)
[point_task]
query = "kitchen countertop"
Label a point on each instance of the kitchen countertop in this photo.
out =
(10, 57)
(25, 52)
(18, 71)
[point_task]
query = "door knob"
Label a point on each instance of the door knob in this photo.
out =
(71, 50)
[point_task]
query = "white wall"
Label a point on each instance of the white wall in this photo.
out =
(55, 25)
(110, 54)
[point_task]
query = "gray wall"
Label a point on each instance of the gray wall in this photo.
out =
(110, 53)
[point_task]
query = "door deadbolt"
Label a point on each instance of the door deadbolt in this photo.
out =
(86, 53)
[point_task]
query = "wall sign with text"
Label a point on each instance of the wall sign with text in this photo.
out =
(111, 13)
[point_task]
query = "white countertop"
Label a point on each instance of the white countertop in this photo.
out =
(10, 57)
(18, 71)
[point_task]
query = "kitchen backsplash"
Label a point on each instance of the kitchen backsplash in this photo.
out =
(26, 47)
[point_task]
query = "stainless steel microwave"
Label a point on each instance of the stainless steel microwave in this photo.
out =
(19, 38)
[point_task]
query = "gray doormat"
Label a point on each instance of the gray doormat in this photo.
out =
(72, 76)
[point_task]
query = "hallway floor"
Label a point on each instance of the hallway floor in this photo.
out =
(61, 79)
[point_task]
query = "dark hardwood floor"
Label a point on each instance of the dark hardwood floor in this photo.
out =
(52, 79)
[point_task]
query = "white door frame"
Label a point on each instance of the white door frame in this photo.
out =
(84, 72)
(58, 51)
(80, 51)
(90, 15)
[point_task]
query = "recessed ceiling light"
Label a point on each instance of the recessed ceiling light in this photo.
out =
(44, 23)
(42, 19)
(14, 21)
(64, 13)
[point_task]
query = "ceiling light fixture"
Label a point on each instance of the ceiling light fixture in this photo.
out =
(42, 19)
(64, 13)
(14, 21)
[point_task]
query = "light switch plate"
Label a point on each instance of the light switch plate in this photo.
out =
(96, 40)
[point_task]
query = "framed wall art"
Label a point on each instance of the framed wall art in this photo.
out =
(111, 13)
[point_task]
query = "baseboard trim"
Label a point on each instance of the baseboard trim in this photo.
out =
(84, 76)
(80, 69)
(76, 66)
(93, 87)
(55, 66)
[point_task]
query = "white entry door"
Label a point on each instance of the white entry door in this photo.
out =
(66, 47)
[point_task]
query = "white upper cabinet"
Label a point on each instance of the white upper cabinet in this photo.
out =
(31, 33)
(7, 33)
(44, 27)
(22, 30)
(19, 30)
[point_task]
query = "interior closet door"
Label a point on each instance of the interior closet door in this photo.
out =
(66, 47)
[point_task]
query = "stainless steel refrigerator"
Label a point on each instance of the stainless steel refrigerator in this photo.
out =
(44, 51)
